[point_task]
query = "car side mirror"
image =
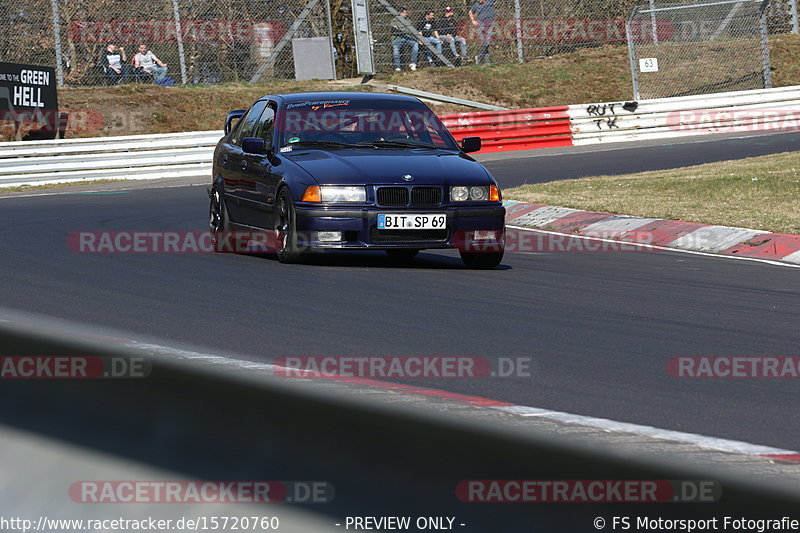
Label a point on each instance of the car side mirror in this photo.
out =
(470, 144)
(254, 145)
(233, 115)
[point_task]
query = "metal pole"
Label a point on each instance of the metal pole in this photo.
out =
(632, 55)
(795, 22)
(653, 21)
(362, 37)
(518, 15)
(330, 37)
(765, 45)
(725, 23)
(57, 38)
(179, 35)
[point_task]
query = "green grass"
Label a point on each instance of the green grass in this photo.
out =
(759, 193)
(587, 75)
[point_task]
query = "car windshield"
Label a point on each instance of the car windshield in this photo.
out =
(389, 124)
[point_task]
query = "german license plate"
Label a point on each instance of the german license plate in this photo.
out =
(412, 221)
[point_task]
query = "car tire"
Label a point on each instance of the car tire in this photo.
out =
(481, 260)
(402, 255)
(286, 229)
(218, 220)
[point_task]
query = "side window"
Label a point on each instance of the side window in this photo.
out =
(266, 125)
(248, 123)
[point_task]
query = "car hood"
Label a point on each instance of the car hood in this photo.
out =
(382, 167)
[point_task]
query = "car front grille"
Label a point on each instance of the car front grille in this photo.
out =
(392, 196)
(407, 235)
(426, 196)
(399, 196)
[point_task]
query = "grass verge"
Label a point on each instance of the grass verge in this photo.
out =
(587, 75)
(759, 193)
(142, 109)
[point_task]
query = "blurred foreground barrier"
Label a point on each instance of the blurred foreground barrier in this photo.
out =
(217, 422)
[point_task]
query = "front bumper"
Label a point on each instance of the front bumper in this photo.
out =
(359, 227)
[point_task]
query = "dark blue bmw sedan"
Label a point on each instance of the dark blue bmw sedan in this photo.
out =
(353, 171)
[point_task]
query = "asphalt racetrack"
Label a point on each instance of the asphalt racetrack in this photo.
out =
(599, 327)
(552, 164)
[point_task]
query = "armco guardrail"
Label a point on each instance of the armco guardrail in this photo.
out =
(515, 129)
(220, 422)
(425, 95)
(757, 111)
(189, 154)
(142, 157)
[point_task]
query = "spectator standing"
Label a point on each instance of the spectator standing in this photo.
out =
(114, 65)
(448, 33)
(481, 14)
(427, 29)
(146, 60)
(401, 38)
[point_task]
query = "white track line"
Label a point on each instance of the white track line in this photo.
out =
(702, 441)
(653, 247)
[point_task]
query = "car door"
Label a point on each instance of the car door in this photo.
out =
(236, 186)
(259, 182)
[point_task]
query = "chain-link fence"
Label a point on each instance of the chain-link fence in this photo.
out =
(199, 41)
(509, 30)
(782, 17)
(214, 41)
(708, 47)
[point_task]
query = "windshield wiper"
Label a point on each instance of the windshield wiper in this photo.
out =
(396, 144)
(321, 144)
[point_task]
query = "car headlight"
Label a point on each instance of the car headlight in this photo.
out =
(480, 193)
(335, 194)
(459, 194)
